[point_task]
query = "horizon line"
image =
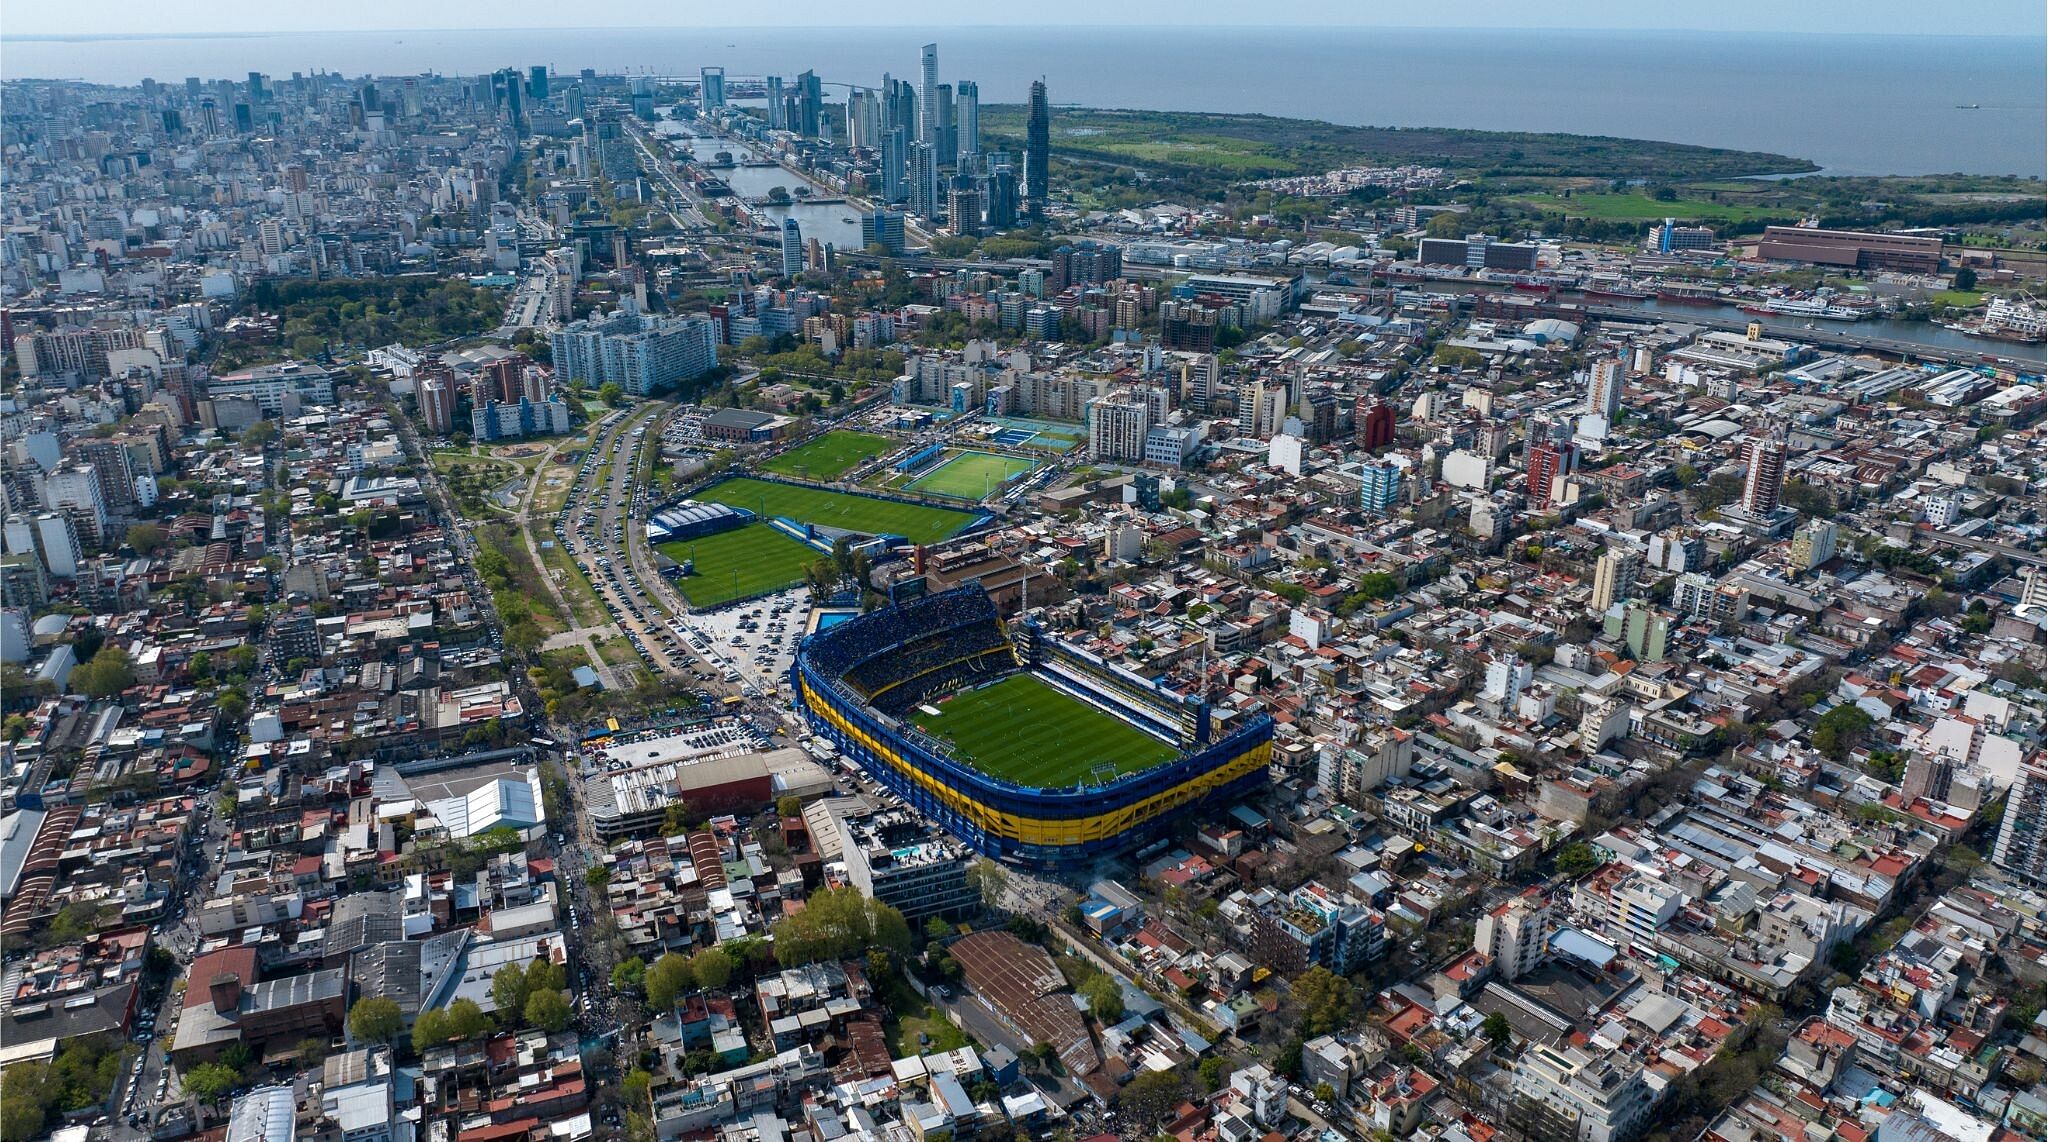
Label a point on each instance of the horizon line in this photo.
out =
(86, 36)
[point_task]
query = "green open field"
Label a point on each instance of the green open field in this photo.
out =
(764, 559)
(837, 509)
(1023, 730)
(829, 455)
(1234, 146)
(969, 475)
(1643, 208)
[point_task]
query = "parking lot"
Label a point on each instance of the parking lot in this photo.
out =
(757, 639)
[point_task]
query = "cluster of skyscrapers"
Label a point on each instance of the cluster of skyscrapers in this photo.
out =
(927, 139)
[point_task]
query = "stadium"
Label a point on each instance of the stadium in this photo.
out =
(1031, 750)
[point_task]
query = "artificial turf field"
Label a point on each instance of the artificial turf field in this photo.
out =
(919, 523)
(969, 475)
(1022, 730)
(765, 558)
(829, 456)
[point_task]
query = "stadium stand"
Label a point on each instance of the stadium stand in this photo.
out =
(854, 682)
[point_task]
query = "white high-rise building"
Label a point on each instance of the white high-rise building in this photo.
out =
(924, 179)
(1765, 478)
(75, 488)
(792, 248)
(1603, 1095)
(1603, 388)
(1513, 936)
(928, 96)
(967, 120)
(1614, 576)
(59, 542)
(1117, 425)
(1812, 545)
(1506, 677)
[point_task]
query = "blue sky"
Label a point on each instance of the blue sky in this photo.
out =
(1902, 17)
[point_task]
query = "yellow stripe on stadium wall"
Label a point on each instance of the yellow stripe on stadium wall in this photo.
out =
(1041, 830)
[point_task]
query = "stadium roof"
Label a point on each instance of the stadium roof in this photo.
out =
(690, 511)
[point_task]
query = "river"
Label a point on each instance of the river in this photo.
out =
(837, 223)
(1793, 328)
(1855, 103)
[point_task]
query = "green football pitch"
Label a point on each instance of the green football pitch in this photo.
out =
(829, 456)
(739, 564)
(970, 475)
(1022, 730)
(919, 523)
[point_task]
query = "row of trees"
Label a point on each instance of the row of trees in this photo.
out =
(529, 996)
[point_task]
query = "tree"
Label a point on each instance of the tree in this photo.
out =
(1152, 1096)
(547, 1010)
(611, 394)
(629, 975)
(836, 924)
(429, 1030)
(711, 968)
(1105, 998)
(634, 1088)
(1966, 279)
(467, 1021)
(1213, 1071)
(597, 876)
(375, 1019)
(109, 673)
(1840, 729)
(666, 979)
(789, 806)
(988, 878)
(509, 990)
(1576, 859)
(1326, 1000)
(1497, 1028)
(25, 1097)
(146, 537)
(211, 1080)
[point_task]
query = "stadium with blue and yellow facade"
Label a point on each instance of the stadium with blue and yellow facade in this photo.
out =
(1026, 747)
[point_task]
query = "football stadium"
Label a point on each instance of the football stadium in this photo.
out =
(1029, 749)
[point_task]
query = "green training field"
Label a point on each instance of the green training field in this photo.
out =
(765, 558)
(837, 509)
(969, 475)
(830, 455)
(1023, 730)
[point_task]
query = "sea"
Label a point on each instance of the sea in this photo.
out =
(1854, 104)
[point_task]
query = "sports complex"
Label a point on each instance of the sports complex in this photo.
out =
(1027, 748)
(745, 537)
(956, 473)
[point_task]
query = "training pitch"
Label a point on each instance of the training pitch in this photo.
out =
(920, 524)
(829, 456)
(1023, 730)
(969, 475)
(763, 558)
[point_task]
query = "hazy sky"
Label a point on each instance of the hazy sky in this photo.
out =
(1905, 17)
